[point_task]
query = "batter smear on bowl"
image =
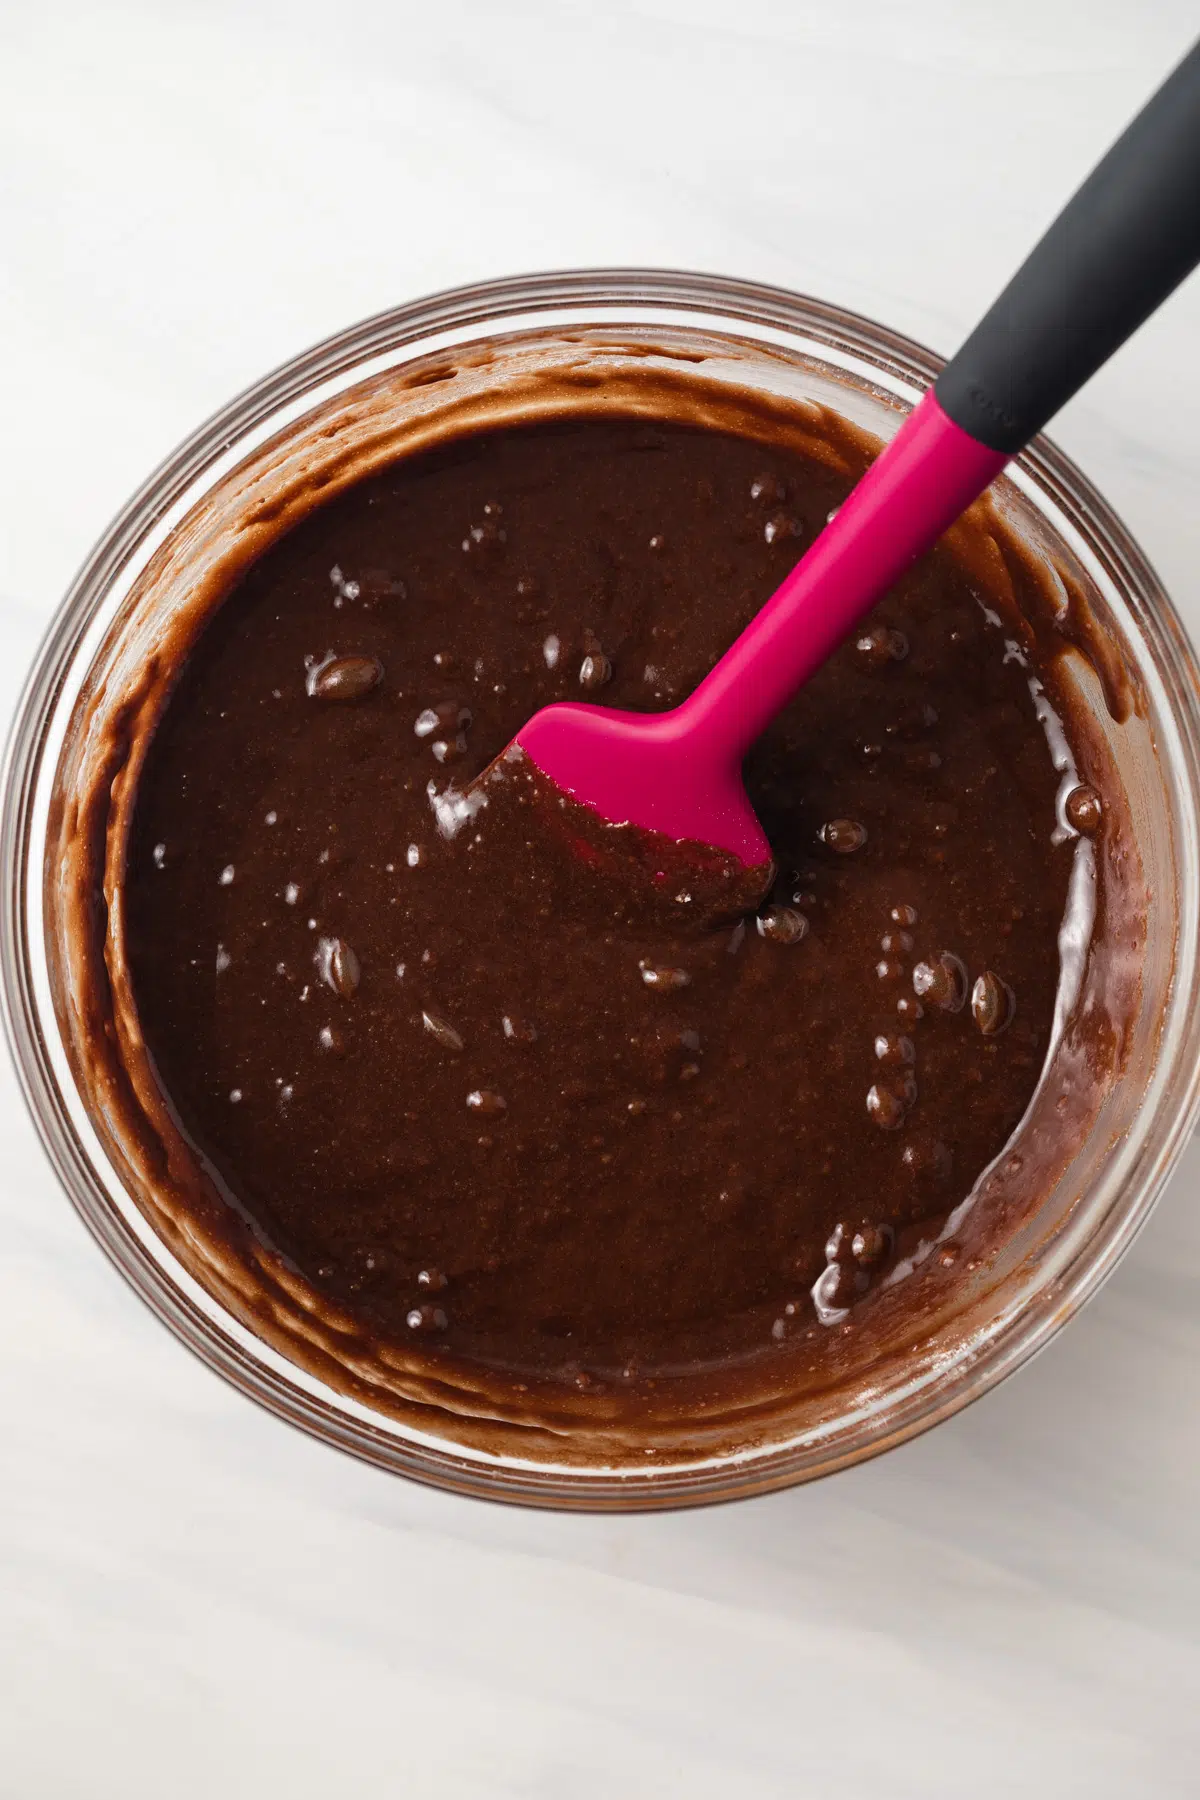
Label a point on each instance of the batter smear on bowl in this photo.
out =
(425, 1052)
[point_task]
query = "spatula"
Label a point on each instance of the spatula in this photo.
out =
(1123, 243)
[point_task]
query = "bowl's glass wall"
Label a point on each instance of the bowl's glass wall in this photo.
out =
(814, 353)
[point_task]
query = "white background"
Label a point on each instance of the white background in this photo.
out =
(196, 1601)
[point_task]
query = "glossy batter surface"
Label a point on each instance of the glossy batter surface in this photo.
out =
(444, 1075)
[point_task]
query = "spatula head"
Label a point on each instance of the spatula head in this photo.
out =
(646, 770)
(578, 860)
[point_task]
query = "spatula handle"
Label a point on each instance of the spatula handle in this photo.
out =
(1114, 253)
(1124, 242)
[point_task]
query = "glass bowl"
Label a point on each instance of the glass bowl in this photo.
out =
(377, 387)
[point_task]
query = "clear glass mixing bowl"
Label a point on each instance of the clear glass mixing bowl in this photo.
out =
(376, 384)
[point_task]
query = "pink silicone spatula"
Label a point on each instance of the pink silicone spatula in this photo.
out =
(1126, 239)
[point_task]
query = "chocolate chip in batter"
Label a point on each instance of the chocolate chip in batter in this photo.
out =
(885, 1106)
(427, 1318)
(487, 1101)
(344, 677)
(662, 977)
(1084, 810)
(942, 982)
(844, 836)
(338, 966)
(881, 645)
(992, 1003)
(782, 925)
(595, 671)
(442, 1031)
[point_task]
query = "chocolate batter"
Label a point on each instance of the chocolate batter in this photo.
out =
(477, 1104)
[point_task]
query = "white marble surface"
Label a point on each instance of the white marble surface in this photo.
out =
(194, 1600)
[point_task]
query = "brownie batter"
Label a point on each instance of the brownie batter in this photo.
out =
(427, 1054)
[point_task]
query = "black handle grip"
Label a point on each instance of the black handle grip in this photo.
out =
(1124, 242)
